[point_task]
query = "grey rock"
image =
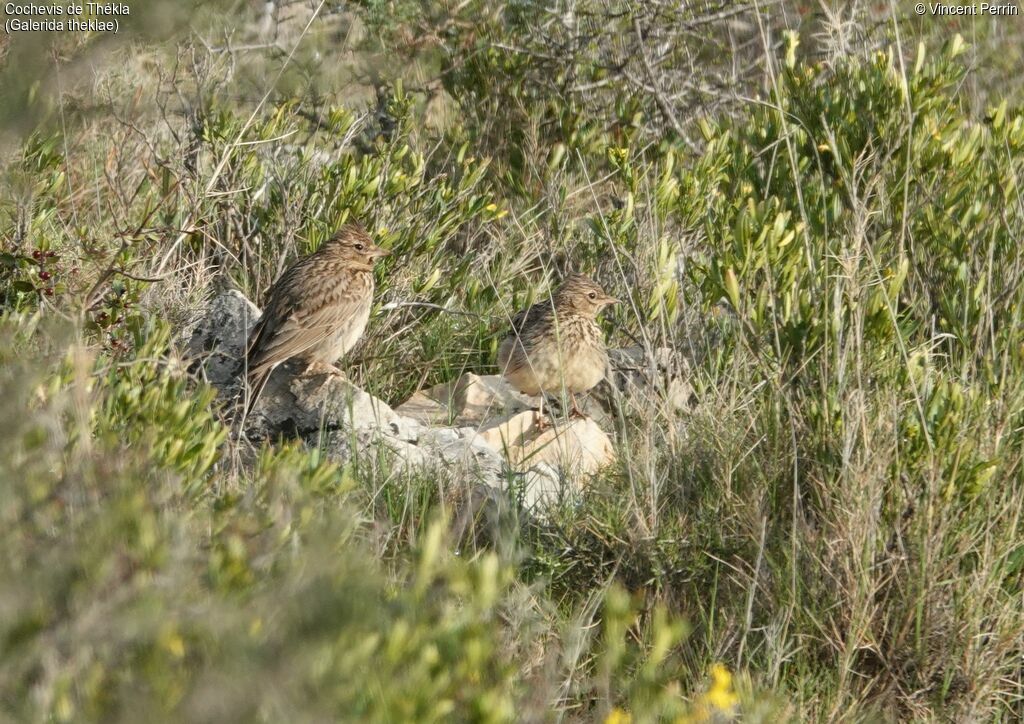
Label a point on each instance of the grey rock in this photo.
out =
(643, 380)
(340, 445)
(297, 404)
(473, 460)
(215, 342)
(439, 436)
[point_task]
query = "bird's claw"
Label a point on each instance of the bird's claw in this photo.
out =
(322, 368)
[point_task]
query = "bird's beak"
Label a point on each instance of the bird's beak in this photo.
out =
(376, 252)
(608, 300)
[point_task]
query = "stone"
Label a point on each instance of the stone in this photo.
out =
(543, 487)
(644, 381)
(470, 399)
(576, 448)
(474, 460)
(478, 397)
(215, 342)
(424, 408)
(298, 404)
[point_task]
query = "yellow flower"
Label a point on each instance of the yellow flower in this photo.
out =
(617, 154)
(618, 716)
(721, 676)
(721, 695)
(493, 209)
(173, 643)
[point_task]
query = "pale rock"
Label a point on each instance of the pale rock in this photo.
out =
(576, 448)
(439, 436)
(424, 408)
(469, 399)
(543, 487)
(474, 460)
(478, 397)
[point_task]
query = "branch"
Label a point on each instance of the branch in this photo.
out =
(659, 98)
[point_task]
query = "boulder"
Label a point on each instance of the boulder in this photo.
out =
(297, 404)
(468, 400)
(578, 447)
(215, 342)
(543, 487)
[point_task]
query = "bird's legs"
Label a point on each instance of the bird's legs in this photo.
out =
(575, 410)
(542, 422)
(316, 367)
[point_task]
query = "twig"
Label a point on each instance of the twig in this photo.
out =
(188, 225)
(659, 98)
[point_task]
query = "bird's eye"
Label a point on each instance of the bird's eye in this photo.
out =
(592, 295)
(359, 247)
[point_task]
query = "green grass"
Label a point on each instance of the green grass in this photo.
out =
(832, 243)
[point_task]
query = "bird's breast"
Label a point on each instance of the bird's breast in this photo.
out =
(573, 356)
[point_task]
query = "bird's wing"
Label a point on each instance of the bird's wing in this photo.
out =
(525, 317)
(298, 317)
(511, 351)
(282, 301)
(290, 337)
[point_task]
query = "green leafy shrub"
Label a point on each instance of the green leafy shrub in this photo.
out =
(835, 514)
(858, 194)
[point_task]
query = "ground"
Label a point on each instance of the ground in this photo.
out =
(812, 217)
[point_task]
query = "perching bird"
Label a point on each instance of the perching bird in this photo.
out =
(317, 310)
(556, 344)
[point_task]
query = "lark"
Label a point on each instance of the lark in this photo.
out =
(317, 310)
(556, 344)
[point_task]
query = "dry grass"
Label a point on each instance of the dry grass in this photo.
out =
(836, 516)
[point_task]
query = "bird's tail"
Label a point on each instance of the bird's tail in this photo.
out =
(252, 388)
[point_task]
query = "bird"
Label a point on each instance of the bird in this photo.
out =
(556, 344)
(317, 309)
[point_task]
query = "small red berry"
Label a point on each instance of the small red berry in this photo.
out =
(51, 255)
(44, 275)
(37, 254)
(48, 291)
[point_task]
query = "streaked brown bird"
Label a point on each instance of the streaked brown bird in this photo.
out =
(556, 344)
(317, 309)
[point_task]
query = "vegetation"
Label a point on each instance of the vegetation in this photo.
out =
(820, 211)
